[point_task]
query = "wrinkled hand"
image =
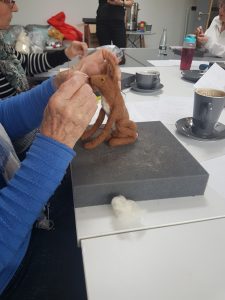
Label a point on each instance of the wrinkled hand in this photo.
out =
(202, 39)
(69, 111)
(76, 48)
(199, 31)
(96, 63)
(93, 64)
(115, 2)
(61, 77)
(126, 3)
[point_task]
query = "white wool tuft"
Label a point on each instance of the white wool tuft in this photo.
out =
(123, 207)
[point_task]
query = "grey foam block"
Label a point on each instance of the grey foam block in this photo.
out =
(156, 166)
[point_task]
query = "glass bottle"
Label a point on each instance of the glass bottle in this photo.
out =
(163, 42)
(187, 52)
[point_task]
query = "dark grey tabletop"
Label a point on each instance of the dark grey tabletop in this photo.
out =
(135, 57)
(140, 56)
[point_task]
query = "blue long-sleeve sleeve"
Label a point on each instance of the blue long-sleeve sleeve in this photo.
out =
(23, 198)
(22, 113)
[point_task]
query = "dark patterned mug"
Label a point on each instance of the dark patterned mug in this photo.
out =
(208, 105)
(148, 79)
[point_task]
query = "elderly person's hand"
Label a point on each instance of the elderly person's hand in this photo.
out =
(199, 31)
(69, 110)
(126, 3)
(201, 38)
(96, 63)
(93, 64)
(115, 2)
(76, 48)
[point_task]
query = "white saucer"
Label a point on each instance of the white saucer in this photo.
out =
(137, 89)
(185, 127)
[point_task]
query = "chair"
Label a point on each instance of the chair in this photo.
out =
(90, 37)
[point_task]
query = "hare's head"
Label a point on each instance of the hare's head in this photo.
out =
(107, 82)
(98, 81)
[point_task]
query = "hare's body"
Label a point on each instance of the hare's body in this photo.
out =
(119, 129)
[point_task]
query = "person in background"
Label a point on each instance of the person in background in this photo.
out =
(110, 23)
(15, 66)
(62, 116)
(214, 37)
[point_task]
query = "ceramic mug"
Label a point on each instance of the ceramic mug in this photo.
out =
(208, 105)
(147, 79)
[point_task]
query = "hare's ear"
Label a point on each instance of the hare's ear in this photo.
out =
(112, 69)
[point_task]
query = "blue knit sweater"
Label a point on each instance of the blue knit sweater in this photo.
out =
(23, 197)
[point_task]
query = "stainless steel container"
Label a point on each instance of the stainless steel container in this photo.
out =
(132, 17)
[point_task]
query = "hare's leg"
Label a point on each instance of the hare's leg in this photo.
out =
(89, 132)
(103, 135)
(121, 141)
(126, 133)
(125, 128)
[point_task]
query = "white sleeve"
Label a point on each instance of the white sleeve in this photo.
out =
(216, 49)
(214, 46)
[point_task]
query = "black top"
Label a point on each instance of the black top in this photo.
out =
(109, 12)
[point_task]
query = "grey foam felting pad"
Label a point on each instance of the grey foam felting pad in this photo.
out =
(155, 166)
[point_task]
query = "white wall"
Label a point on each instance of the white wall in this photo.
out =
(159, 13)
(38, 11)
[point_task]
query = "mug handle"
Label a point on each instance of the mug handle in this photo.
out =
(205, 108)
(154, 78)
(155, 81)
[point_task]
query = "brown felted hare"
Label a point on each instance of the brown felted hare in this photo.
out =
(119, 129)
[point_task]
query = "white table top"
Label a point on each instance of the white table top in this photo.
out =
(170, 263)
(97, 221)
(175, 101)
